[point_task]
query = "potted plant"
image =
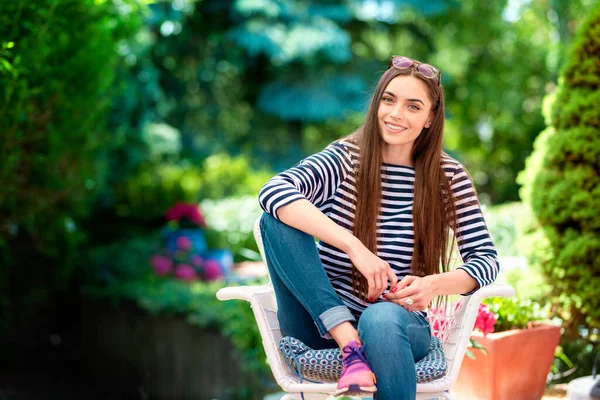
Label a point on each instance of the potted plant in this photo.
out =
(518, 351)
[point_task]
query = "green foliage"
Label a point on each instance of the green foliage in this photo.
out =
(516, 313)
(227, 176)
(231, 222)
(155, 187)
(581, 353)
(505, 224)
(562, 184)
(120, 261)
(57, 65)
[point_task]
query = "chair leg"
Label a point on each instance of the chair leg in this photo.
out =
(435, 396)
(307, 396)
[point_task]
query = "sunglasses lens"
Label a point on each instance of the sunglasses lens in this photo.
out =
(428, 70)
(402, 62)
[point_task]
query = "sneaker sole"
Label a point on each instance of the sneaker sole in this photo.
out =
(355, 390)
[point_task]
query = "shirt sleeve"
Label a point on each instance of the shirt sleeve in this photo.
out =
(479, 256)
(315, 179)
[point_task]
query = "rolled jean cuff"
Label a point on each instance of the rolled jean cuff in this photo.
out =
(331, 318)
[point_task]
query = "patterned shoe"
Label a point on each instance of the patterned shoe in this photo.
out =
(357, 376)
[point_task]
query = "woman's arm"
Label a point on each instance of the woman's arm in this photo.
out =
(294, 195)
(304, 216)
(480, 260)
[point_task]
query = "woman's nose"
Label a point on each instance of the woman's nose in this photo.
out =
(397, 113)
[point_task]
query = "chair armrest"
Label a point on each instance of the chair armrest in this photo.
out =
(242, 292)
(494, 290)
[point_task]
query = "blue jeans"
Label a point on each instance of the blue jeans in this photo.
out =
(308, 307)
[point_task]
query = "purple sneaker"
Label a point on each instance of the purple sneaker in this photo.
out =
(357, 376)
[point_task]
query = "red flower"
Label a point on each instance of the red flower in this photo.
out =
(188, 212)
(486, 319)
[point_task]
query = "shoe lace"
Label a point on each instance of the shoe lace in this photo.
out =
(353, 355)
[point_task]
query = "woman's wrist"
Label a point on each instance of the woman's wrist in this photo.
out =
(434, 281)
(350, 244)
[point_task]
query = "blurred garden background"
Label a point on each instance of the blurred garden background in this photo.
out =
(112, 112)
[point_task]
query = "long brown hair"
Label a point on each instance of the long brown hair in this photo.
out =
(434, 209)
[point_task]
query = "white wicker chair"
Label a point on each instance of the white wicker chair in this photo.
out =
(453, 328)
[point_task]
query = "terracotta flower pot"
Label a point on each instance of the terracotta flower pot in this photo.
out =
(515, 368)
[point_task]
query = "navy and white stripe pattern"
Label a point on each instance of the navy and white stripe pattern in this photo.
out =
(327, 180)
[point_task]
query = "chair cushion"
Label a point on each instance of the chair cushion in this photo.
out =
(326, 365)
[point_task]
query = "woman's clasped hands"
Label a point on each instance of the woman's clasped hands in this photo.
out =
(412, 292)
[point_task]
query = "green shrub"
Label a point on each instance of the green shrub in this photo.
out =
(120, 261)
(57, 67)
(155, 187)
(562, 184)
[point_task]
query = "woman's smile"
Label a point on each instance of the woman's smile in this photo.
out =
(394, 128)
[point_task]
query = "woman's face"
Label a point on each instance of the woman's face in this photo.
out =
(404, 110)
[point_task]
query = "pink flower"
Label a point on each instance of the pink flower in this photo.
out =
(185, 272)
(161, 264)
(197, 261)
(184, 243)
(212, 270)
(188, 211)
(486, 320)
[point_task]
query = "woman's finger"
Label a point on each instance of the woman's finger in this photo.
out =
(391, 276)
(371, 289)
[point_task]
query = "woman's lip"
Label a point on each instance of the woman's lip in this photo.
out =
(402, 128)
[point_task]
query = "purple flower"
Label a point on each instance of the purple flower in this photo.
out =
(197, 261)
(212, 270)
(185, 272)
(184, 243)
(161, 264)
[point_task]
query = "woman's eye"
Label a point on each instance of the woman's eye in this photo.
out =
(414, 107)
(388, 100)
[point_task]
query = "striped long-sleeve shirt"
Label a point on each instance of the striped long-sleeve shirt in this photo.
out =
(327, 180)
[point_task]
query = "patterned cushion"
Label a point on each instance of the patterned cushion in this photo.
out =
(326, 365)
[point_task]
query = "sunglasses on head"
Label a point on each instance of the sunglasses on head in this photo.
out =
(428, 71)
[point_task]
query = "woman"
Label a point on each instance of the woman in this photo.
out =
(386, 205)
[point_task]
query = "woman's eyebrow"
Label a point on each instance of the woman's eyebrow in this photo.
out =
(410, 100)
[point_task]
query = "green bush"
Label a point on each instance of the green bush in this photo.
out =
(562, 184)
(156, 187)
(57, 67)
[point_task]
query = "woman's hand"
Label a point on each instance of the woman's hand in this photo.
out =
(376, 271)
(413, 293)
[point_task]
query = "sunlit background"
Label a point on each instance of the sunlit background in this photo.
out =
(113, 111)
